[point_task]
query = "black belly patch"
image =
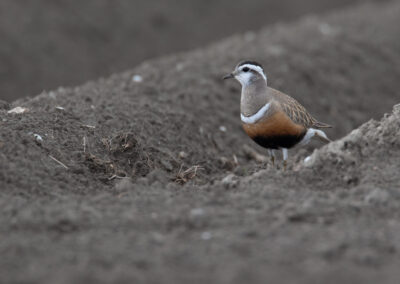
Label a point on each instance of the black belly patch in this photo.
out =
(276, 142)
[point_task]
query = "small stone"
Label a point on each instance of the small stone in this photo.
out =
(350, 179)
(230, 181)
(377, 196)
(157, 237)
(182, 155)
(228, 164)
(52, 94)
(38, 138)
(180, 66)
(137, 78)
(206, 236)
(327, 30)
(18, 110)
(197, 212)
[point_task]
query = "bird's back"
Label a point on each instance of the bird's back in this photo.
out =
(294, 110)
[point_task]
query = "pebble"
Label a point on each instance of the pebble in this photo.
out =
(137, 78)
(38, 137)
(222, 128)
(206, 236)
(377, 196)
(18, 110)
(197, 212)
(182, 155)
(230, 180)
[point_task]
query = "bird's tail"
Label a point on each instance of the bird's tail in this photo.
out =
(318, 124)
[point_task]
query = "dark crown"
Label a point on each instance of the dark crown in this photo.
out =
(250, 62)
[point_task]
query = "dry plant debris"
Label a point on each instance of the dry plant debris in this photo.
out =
(183, 177)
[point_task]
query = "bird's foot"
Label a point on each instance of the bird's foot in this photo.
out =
(284, 165)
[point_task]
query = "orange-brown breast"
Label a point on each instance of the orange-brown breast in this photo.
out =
(279, 124)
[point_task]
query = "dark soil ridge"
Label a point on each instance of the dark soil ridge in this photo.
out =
(367, 157)
(182, 103)
(67, 214)
(46, 44)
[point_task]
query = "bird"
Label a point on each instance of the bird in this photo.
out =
(272, 119)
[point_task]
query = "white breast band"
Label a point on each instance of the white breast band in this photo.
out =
(257, 116)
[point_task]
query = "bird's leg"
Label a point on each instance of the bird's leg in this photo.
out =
(272, 155)
(285, 156)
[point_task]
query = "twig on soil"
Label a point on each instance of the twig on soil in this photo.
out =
(148, 161)
(115, 177)
(84, 144)
(106, 143)
(88, 126)
(228, 164)
(57, 161)
(252, 154)
(183, 177)
(235, 160)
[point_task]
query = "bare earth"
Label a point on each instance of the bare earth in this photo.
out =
(136, 181)
(46, 44)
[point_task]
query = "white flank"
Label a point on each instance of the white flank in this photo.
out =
(311, 132)
(257, 116)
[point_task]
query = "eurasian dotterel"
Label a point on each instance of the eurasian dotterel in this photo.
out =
(271, 118)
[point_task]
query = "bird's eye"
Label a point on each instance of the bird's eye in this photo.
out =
(246, 69)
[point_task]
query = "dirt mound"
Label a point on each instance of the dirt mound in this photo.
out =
(143, 176)
(46, 44)
(181, 114)
(369, 155)
(334, 218)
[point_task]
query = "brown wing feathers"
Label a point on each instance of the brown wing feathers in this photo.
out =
(297, 113)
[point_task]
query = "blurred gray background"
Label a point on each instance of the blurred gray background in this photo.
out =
(51, 43)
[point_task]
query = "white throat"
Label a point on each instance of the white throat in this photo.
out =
(245, 79)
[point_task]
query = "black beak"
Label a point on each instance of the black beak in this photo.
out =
(228, 76)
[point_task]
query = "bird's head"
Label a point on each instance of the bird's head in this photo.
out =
(247, 72)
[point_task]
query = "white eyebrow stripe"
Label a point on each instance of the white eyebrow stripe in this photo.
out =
(255, 68)
(257, 116)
